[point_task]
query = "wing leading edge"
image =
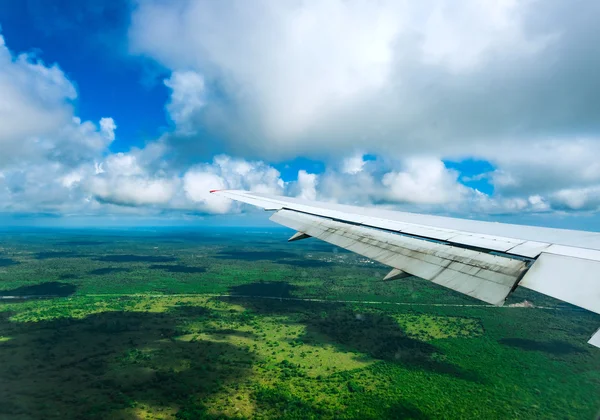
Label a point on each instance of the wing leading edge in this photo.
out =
(484, 260)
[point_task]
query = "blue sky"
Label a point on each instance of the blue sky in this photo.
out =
(89, 45)
(130, 111)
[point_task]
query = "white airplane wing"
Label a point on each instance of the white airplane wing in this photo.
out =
(485, 260)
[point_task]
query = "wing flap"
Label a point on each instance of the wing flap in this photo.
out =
(494, 243)
(573, 280)
(480, 275)
(530, 249)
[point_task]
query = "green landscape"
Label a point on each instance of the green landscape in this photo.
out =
(222, 323)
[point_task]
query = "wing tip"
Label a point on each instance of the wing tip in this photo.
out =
(213, 191)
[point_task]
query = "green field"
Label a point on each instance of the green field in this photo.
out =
(237, 323)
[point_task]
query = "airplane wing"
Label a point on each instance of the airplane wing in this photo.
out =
(484, 260)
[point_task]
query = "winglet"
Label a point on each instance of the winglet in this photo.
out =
(212, 191)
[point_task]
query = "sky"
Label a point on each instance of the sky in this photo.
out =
(127, 112)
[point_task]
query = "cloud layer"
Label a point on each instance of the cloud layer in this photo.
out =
(382, 92)
(314, 78)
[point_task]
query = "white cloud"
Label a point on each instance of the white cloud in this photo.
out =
(53, 162)
(587, 198)
(71, 179)
(229, 173)
(132, 190)
(495, 81)
(35, 101)
(459, 37)
(538, 203)
(414, 184)
(49, 187)
(197, 186)
(122, 164)
(107, 128)
(36, 114)
(564, 174)
(300, 77)
(412, 82)
(307, 185)
(187, 98)
(353, 164)
(46, 152)
(124, 179)
(424, 181)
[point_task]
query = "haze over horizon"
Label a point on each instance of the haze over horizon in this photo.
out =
(129, 112)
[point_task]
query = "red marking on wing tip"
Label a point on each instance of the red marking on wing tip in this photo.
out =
(212, 191)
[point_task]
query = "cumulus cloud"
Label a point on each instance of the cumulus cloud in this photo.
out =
(503, 81)
(54, 162)
(547, 167)
(587, 198)
(414, 184)
(300, 77)
(306, 185)
(121, 164)
(412, 83)
(187, 98)
(107, 128)
(121, 180)
(132, 191)
(37, 117)
(424, 181)
(228, 173)
(198, 184)
(415, 180)
(35, 101)
(46, 152)
(353, 164)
